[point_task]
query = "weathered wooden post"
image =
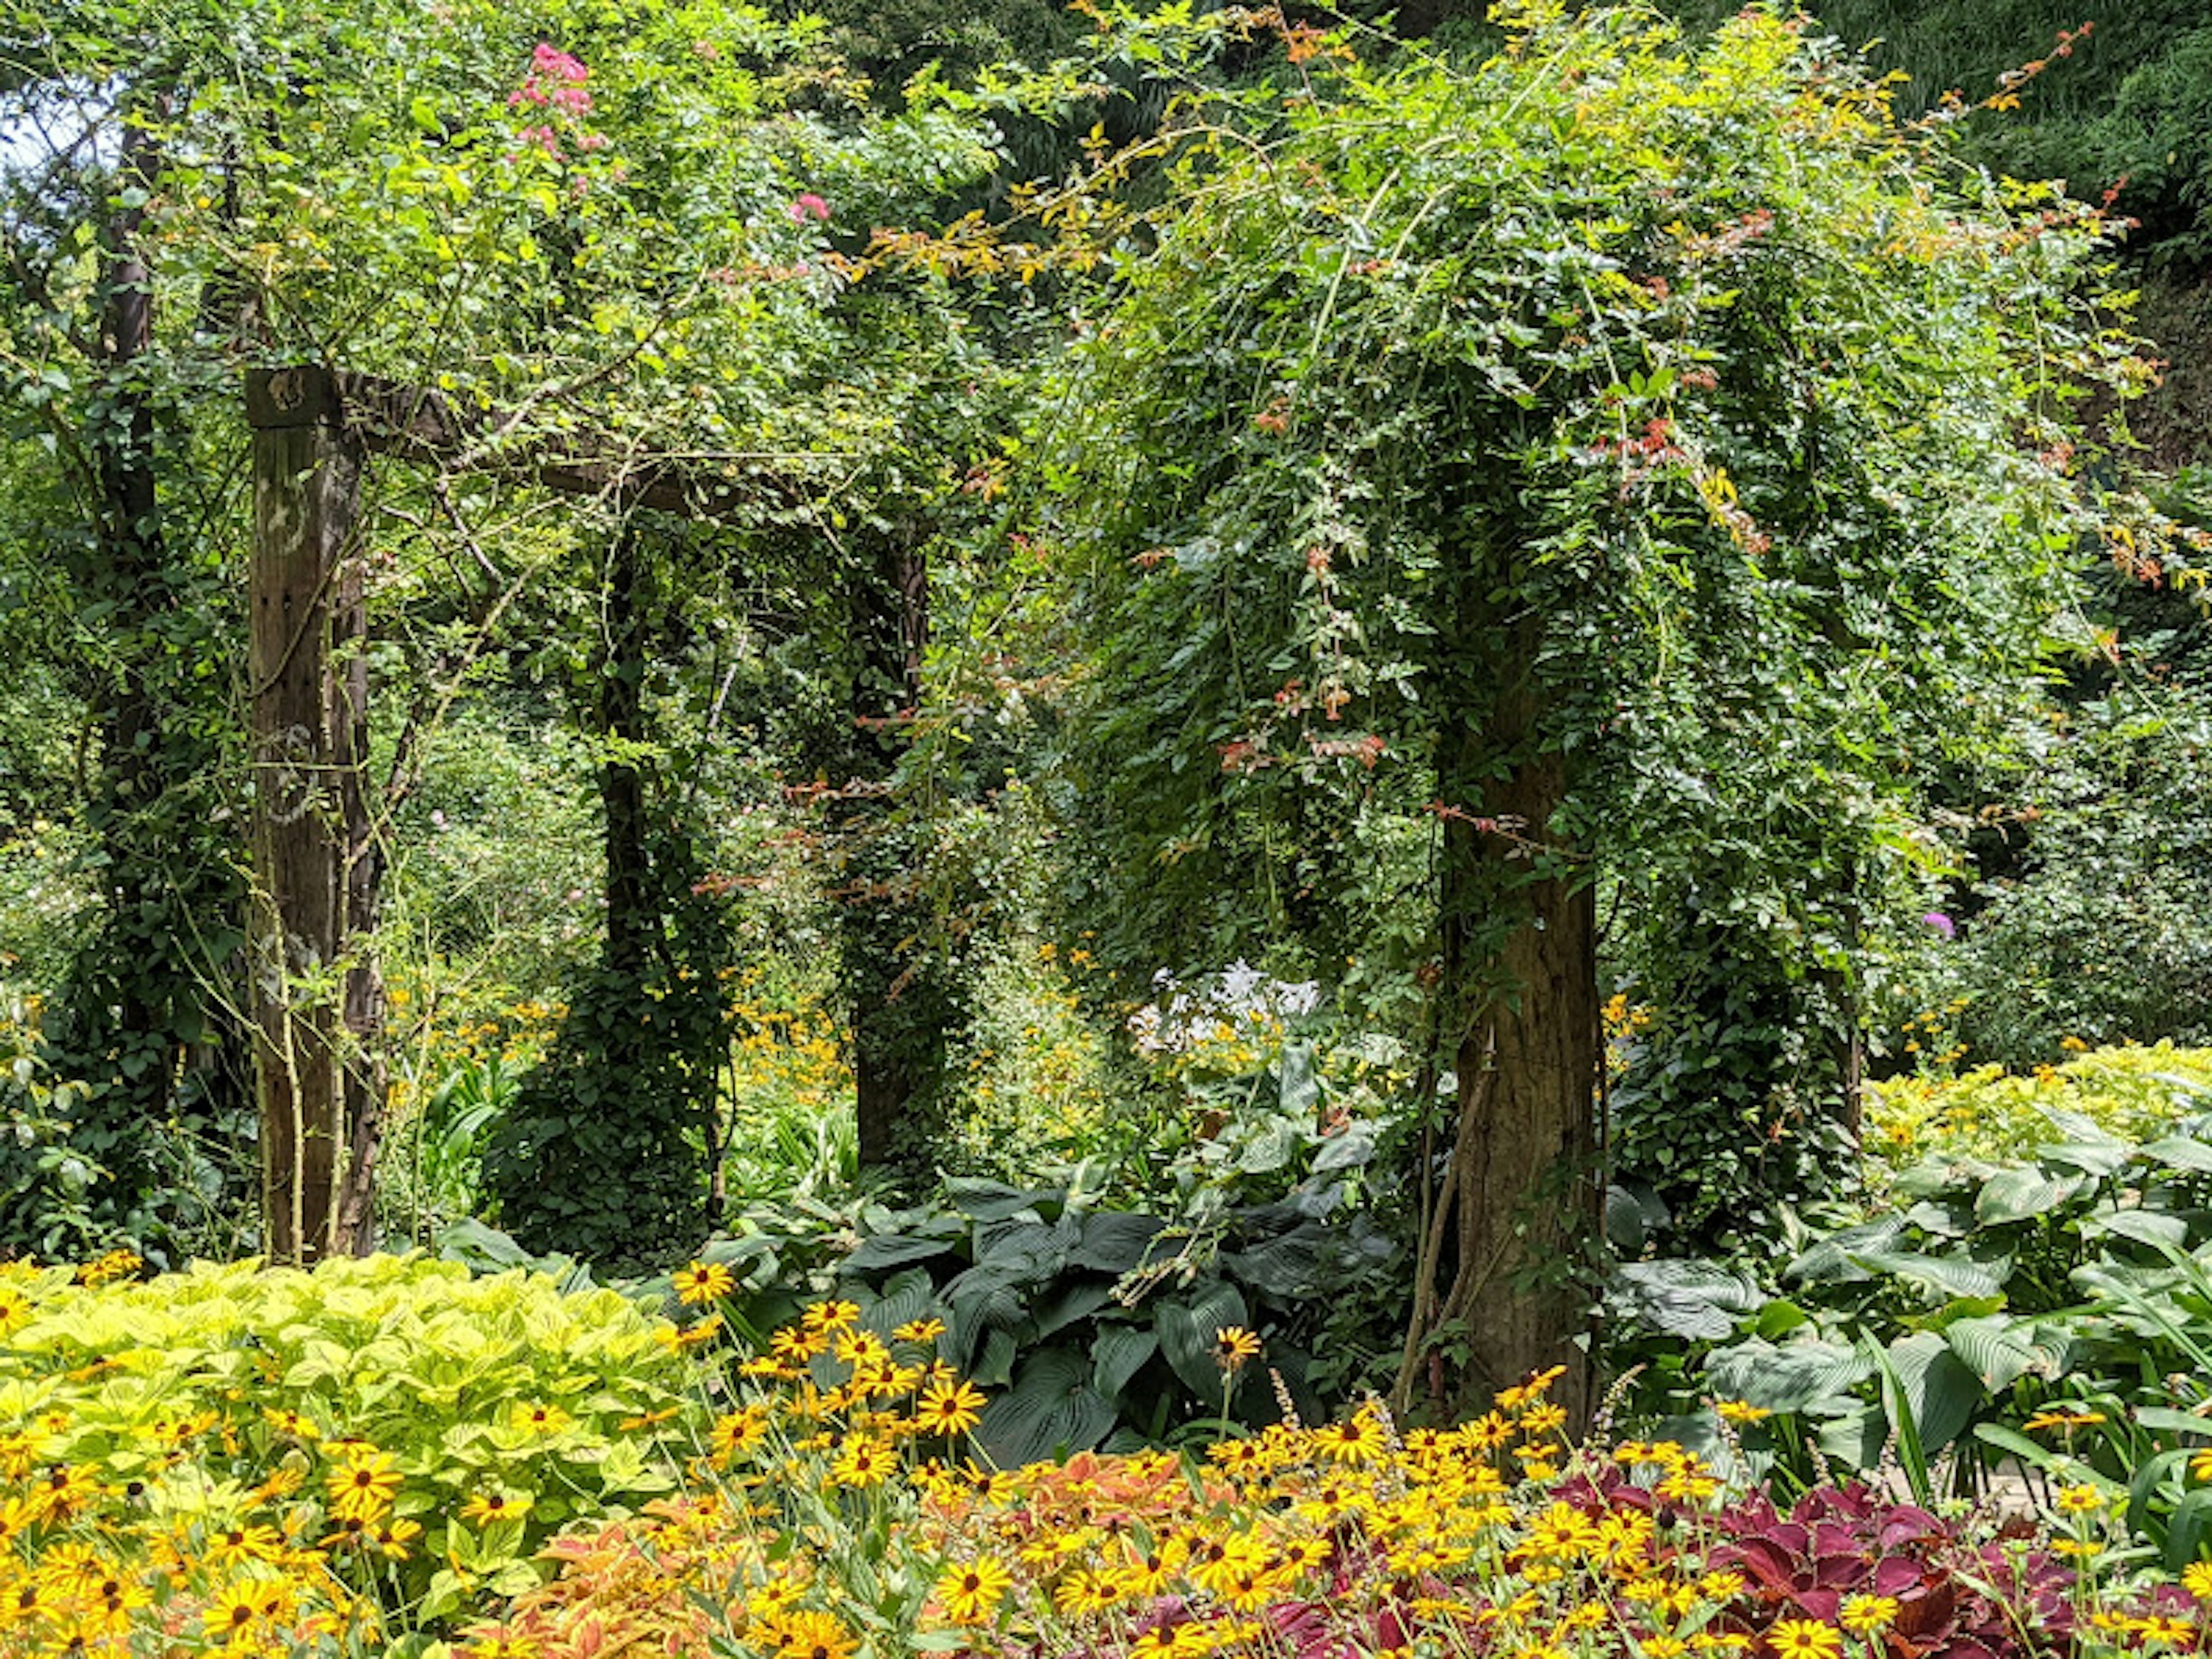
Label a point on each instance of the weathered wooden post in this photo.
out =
(318, 999)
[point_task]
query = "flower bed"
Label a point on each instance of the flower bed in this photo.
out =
(188, 1469)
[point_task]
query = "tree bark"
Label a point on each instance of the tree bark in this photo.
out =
(1519, 960)
(318, 997)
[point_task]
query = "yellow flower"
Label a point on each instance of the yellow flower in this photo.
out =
(542, 1419)
(863, 1462)
(1864, 1615)
(2197, 1579)
(2068, 1421)
(827, 1318)
(2081, 1500)
(485, 1508)
(920, 1330)
(362, 1486)
(703, 1282)
(1355, 1440)
(972, 1592)
(810, 1635)
(1739, 1411)
(948, 1407)
(1232, 1345)
(231, 1610)
(1804, 1639)
(2201, 1465)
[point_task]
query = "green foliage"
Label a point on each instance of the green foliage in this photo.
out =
(1983, 1296)
(1990, 1115)
(185, 1391)
(1095, 1320)
(605, 1153)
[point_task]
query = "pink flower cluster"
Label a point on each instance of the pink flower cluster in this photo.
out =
(556, 80)
(809, 206)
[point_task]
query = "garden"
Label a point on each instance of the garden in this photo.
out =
(1062, 833)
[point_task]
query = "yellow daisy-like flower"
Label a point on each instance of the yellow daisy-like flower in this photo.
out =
(807, 1634)
(362, 1485)
(863, 1463)
(827, 1318)
(1804, 1639)
(485, 1508)
(231, 1611)
(1865, 1615)
(948, 1408)
(2201, 1465)
(1742, 1411)
(2081, 1500)
(1232, 1345)
(1355, 1440)
(919, 1330)
(703, 1282)
(971, 1594)
(2197, 1579)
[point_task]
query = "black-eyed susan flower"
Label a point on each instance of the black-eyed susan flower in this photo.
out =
(703, 1282)
(1804, 1639)
(971, 1592)
(1232, 1345)
(948, 1407)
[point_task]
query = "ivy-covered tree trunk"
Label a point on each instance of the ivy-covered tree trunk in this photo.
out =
(891, 1045)
(633, 921)
(1518, 1205)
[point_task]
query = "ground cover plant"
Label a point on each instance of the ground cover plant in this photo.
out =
(400, 1434)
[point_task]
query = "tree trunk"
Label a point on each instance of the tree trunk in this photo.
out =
(125, 575)
(633, 917)
(1522, 1194)
(317, 1001)
(890, 620)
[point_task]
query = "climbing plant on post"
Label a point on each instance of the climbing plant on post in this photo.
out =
(1585, 451)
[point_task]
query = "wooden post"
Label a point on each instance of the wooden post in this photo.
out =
(318, 1004)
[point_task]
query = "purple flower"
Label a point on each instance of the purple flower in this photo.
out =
(1942, 923)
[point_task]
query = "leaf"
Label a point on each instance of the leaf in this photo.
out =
(1999, 1350)
(1118, 1353)
(2022, 1194)
(1787, 1376)
(1296, 1088)
(1188, 1325)
(994, 1200)
(1288, 1266)
(1950, 1275)
(2189, 1529)
(1050, 1411)
(2181, 1152)
(1114, 1242)
(1348, 1149)
(2143, 1487)
(1068, 1303)
(1939, 1389)
(2144, 1226)
(874, 1255)
(1831, 1260)
(2018, 1444)
(905, 1298)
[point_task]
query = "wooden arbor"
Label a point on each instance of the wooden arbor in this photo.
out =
(318, 996)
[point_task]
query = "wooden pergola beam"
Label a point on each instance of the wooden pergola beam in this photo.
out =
(412, 424)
